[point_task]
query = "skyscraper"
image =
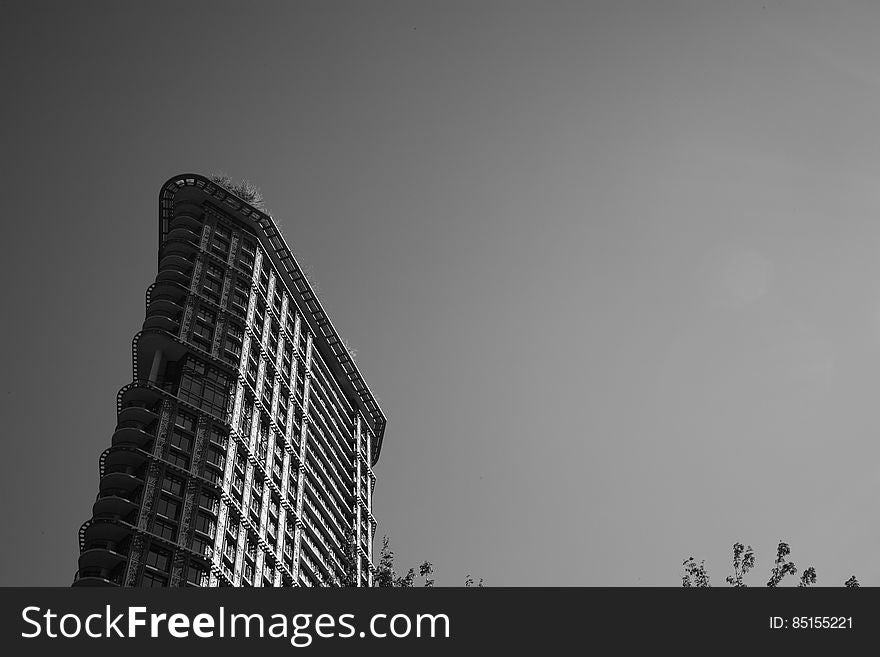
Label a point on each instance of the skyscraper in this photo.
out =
(244, 444)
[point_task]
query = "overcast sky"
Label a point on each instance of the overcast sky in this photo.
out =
(611, 268)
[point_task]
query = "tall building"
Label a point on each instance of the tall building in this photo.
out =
(244, 444)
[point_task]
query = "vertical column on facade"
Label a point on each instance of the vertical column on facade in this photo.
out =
(368, 443)
(282, 511)
(264, 509)
(280, 534)
(246, 497)
(270, 439)
(236, 434)
(223, 510)
(357, 493)
(194, 284)
(189, 500)
(304, 432)
(271, 412)
(222, 320)
(264, 518)
(253, 433)
(296, 359)
(150, 479)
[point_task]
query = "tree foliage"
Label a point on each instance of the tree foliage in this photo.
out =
(782, 566)
(696, 575)
(245, 190)
(388, 577)
(349, 561)
(469, 582)
(808, 577)
(743, 562)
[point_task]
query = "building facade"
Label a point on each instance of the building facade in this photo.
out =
(244, 445)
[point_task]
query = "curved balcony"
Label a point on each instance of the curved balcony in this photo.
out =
(102, 530)
(185, 220)
(123, 481)
(135, 434)
(167, 305)
(175, 259)
(122, 458)
(102, 554)
(134, 414)
(169, 290)
(180, 230)
(99, 576)
(176, 269)
(184, 249)
(140, 394)
(115, 504)
(163, 322)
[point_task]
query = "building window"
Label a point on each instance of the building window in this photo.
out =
(247, 412)
(286, 362)
(273, 339)
(263, 443)
(266, 397)
(218, 437)
(166, 530)
(229, 549)
(178, 459)
(259, 320)
(232, 344)
(246, 255)
(203, 546)
(238, 302)
(282, 407)
(205, 387)
(203, 328)
(186, 421)
(216, 457)
(151, 579)
(220, 241)
(205, 524)
(209, 502)
(172, 485)
(167, 507)
(158, 559)
(196, 575)
(181, 439)
(212, 284)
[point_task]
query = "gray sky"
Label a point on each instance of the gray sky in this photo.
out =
(611, 268)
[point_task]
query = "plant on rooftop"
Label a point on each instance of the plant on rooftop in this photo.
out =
(245, 190)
